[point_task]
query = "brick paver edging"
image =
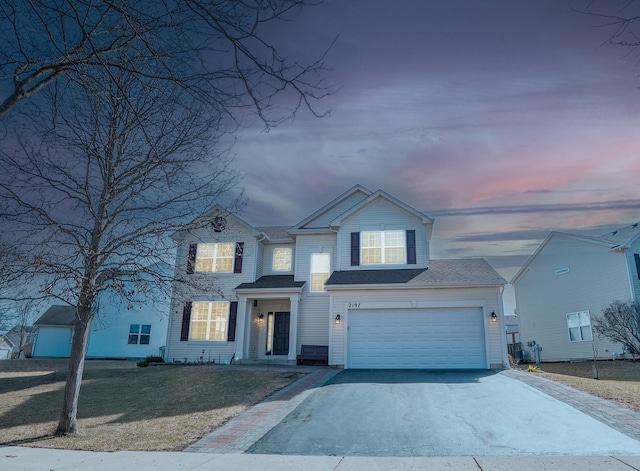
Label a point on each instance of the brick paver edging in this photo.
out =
(237, 435)
(614, 415)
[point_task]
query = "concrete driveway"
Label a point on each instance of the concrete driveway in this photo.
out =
(437, 413)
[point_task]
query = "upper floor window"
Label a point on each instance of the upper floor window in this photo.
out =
(579, 325)
(320, 268)
(215, 257)
(282, 259)
(209, 321)
(383, 247)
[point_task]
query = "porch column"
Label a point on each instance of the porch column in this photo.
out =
(241, 350)
(293, 327)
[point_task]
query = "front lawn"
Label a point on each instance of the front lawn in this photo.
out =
(619, 380)
(123, 407)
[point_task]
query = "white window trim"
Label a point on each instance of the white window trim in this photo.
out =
(579, 326)
(311, 272)
(383, 247)
(215, 257)
(209, 322)
(273, 260)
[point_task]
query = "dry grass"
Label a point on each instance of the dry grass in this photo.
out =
(619, 380)
(123, 407)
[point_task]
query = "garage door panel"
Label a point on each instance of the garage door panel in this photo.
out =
(416, 338)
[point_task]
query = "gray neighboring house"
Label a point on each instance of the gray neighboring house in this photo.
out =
(567, 282)
(22, 337)
(6, 346)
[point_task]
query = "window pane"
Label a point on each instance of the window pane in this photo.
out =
(281, 259)
(198, 331)
(144, 339)
(371, 239)
(586, 333)
(585, 319)
(320, 268)
(394, 238)
(224, 265)
(574, 334)
(395, 255)
(146, 329)
(371, 256)
(200, 312)
(204, 264)
(226, 250)
(134, 328)
(572, 320)
(206, 250)
(133, 339)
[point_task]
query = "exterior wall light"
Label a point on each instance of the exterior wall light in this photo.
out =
(260, 317)
(494, 318)
(338, 319)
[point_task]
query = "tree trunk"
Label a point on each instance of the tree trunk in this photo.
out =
(68, 421)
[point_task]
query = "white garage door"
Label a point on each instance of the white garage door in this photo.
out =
(416, 338)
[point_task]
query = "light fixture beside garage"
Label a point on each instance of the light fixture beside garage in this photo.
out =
(494, 318)
(337, 318)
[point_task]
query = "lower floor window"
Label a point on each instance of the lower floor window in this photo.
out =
(209, 320)
(579, 325)
(139, 334)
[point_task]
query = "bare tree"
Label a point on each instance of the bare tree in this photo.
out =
(214, 49)
(620, 322)
(122, 105)
(621, 20)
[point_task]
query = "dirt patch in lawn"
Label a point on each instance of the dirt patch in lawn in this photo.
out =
(619, 381)
(123, 407)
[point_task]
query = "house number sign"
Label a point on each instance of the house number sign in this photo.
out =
(354, 305)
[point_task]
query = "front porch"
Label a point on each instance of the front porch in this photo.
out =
(267, 321)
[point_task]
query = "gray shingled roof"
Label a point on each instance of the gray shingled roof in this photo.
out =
(453, 272)
(273, 282)
(58, 315)
(622, 236)
(276, 232)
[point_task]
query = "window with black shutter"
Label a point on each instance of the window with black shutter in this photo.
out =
(186, 321)
(411, 247)
(233, 315)
(355, 249)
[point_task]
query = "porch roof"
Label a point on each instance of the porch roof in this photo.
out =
(272, 282)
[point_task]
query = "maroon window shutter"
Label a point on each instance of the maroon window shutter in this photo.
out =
(355, 249)
(191, 259)
(186, 321)
(233, 315)
(411, 247)
(237, 265)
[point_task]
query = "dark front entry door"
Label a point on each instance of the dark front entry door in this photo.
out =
(281, 333)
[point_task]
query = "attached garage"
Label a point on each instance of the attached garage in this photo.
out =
(433, 338)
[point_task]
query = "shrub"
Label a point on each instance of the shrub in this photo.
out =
(533, 369)
(150, 359)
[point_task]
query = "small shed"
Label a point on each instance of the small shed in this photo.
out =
(55, 332)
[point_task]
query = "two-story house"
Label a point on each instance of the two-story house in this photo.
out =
(355, 277)
(566, 284)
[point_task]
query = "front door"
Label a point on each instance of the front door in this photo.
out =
(281, 333)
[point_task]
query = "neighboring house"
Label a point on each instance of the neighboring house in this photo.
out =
(354, 279)
(6, 346)
(22, 337)
(116, 332)
(567, 282)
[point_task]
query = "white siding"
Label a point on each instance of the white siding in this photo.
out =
(487, 298)
(596, 277)
(323, 220)
(313, 321)
(392, 217)
(216, 286)
(307, 245)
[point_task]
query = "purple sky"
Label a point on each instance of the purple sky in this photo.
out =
(459, 108)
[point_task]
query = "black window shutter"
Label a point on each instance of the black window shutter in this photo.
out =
(411, 247)
(191, 259)
(355, 249)
(637, 258)
(186, 321)
(237, 265)
(233, 315)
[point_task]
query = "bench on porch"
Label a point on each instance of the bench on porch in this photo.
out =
(312, 354)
